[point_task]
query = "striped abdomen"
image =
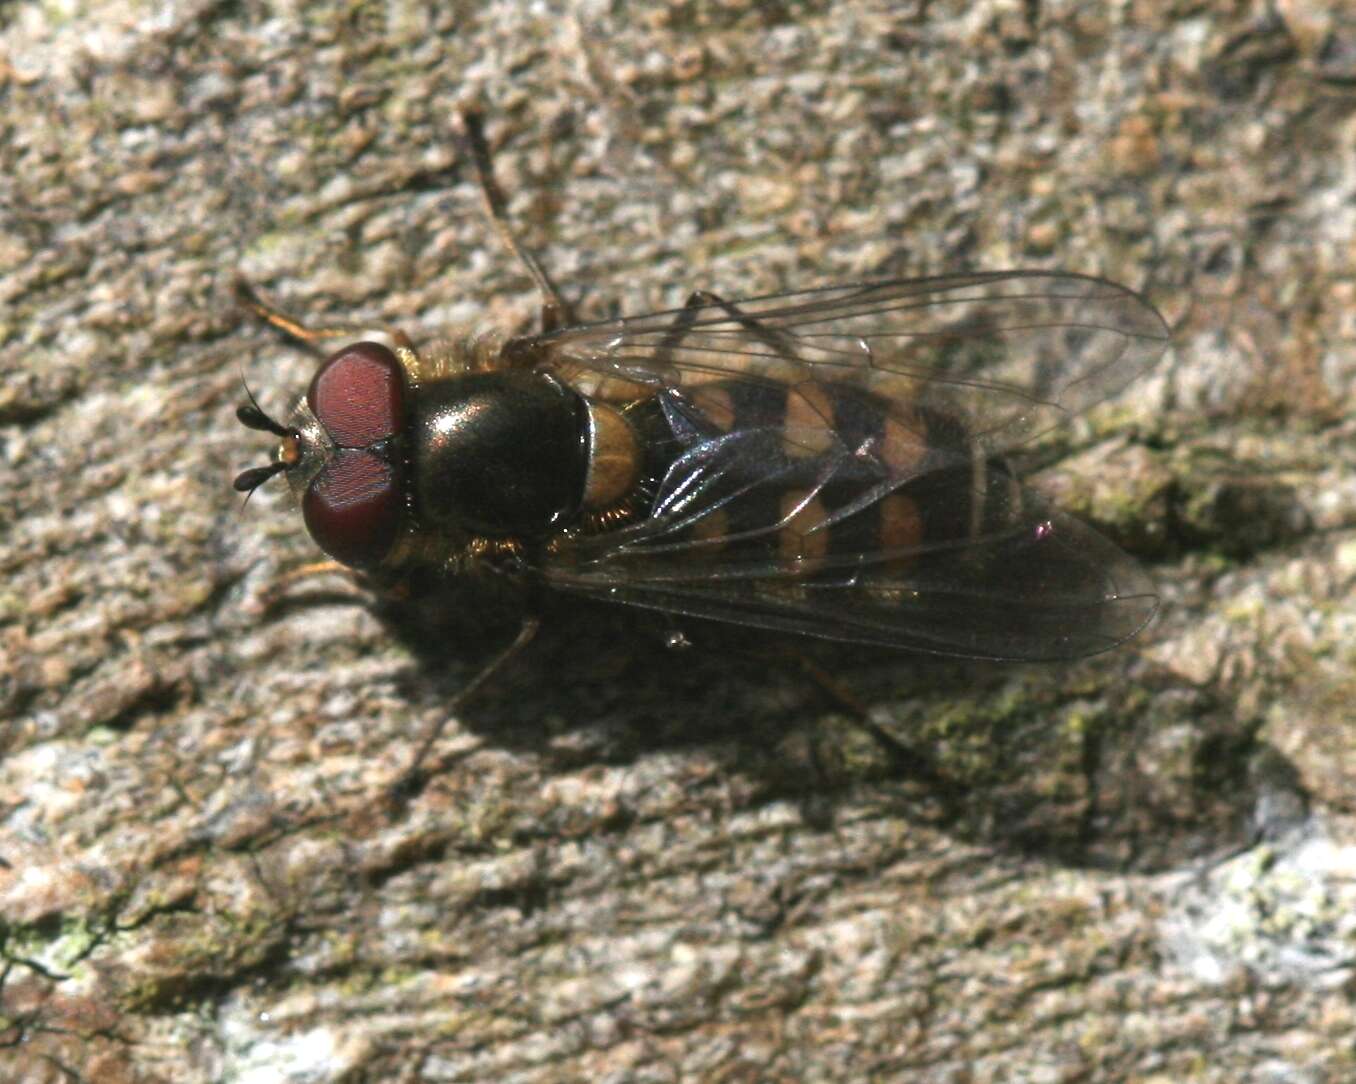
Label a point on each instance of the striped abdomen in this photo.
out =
(814, 480)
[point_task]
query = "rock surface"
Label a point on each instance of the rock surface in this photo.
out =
(636, 864)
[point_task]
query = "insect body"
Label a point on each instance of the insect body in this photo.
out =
(832, 462)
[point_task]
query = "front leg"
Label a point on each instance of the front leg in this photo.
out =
(247, 299)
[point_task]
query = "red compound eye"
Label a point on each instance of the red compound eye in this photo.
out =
(358, 395)
(353, 507)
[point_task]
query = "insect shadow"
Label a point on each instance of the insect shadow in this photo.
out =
(1073, 768)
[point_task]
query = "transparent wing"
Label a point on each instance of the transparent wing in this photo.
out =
(833, 461)
(1015, 352)
(943, 564)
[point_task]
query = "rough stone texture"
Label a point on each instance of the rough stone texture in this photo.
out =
(637, 865)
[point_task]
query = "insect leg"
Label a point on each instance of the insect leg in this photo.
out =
(287, 580)
(412, 778)
(689, 315)
(909, 761)
(470, 131)
(836, 690)
(277, 597)
(248, 299)
(770, 337)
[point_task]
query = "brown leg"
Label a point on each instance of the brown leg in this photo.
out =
(413, 777)
(688, 317)
(915, 762)
(682, 324)
(287, 580)
(774, 339)
(836, 690)
(248, 299)
(470, 133)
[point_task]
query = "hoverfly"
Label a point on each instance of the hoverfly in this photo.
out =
(831, 462)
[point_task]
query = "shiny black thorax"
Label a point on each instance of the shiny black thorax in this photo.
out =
(499, 454)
